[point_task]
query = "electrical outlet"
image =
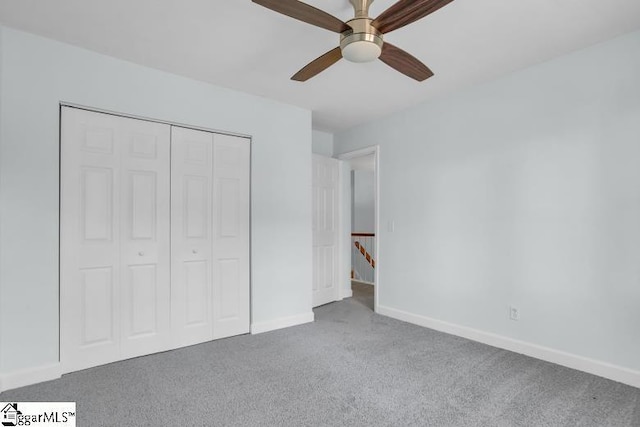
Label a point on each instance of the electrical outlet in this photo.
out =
(514, 313)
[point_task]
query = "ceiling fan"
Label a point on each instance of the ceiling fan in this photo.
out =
(361, 38)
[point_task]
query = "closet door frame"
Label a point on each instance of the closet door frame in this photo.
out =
(62, 229)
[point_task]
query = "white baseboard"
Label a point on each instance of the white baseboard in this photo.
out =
(595, 367)
(30, 376)
(347, 293)
(283, 322)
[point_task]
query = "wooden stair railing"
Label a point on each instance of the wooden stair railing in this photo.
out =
(360, 246)
(362, 249)
(366, 254)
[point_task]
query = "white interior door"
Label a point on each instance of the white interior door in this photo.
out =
(114, 262)
(231, 159)
(145, 281)
(325, 230)
(89, 240)
(191, 235)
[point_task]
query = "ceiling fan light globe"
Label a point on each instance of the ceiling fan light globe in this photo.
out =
(361, 51)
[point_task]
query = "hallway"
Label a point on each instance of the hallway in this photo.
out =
(363, 294)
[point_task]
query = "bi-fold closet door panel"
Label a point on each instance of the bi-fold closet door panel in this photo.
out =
(114, 270)
(145, 239)
(191, 235)
(210, 235)
(231, 297)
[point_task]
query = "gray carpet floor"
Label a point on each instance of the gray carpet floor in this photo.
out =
(363, 294)
(350, 367)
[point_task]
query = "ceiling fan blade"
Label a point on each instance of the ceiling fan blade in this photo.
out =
(405, 12)
(407, 64)
(318, 65)
(306, 13)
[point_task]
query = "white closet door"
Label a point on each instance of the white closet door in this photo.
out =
(231, 159)
(154, 237)
(191, 235)
(89, 240)
(114, 205)
(325, 230)
(145, 238)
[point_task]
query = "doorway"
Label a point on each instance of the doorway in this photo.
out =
(363, 236)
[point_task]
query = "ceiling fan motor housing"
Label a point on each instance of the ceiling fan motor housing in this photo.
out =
(363, 43)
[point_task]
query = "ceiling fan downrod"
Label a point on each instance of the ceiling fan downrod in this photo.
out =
(361, 7)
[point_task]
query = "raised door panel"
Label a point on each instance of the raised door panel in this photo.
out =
(197, 294)
(89, 239)
(97, 203)
(191, 236)
(143, 312)
(231, 302)
(195, 207)
(97, 307)
(145, 238)
(143, 212)
(325, 235)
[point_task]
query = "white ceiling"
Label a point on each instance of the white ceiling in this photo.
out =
(240, 45)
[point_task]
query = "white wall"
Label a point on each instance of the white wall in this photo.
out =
(37, 74)
(322, 143)
(363, 201)
(522, 191)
